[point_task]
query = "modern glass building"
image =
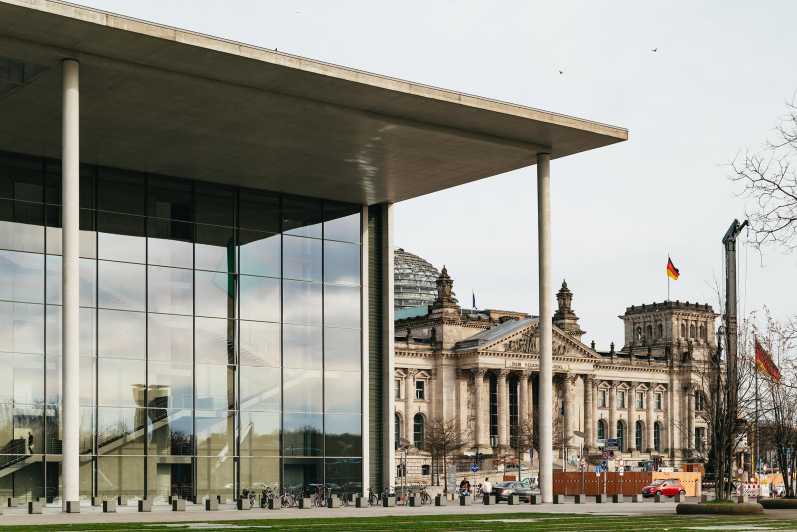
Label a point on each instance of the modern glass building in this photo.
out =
(196, 254)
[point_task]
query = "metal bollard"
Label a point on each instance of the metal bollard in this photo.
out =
(121, 500)
(513, 500)
(72, 507)
(617, 497)
(465, 500)
(12, 502)
(211, 505)
(534, 499)
(274, 504)
(414, 501)
(389, 501)
(440, 500)
(145, 505)
(636, 498)
(34, 507)
(558, 499)
(96, 501)
(305, 503)
(178, 505)
(109, 506)
(488, 500)
(244, 503)
(600, 499)
(360, 501)
(580, 499)
(679, 498)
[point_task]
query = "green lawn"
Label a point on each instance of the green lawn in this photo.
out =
(515, 521)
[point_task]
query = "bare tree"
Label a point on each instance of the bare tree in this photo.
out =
(769, 178)
(441, 439)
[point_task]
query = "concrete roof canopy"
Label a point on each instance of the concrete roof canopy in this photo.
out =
(169, 101)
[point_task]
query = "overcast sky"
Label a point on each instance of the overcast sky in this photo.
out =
(716, 86)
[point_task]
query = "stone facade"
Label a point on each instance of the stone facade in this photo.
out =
(480, 369)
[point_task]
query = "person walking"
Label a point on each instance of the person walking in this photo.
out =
(487, 487)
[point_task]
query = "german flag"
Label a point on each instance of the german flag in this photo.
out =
(672, 271)
(764, 363)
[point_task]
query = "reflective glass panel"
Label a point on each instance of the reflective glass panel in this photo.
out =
(260, 298)
(303, 435)
(342, 306)
(215, 433)
(301, 302)
(22, 379)
(19, 425)
(341, 221)
(52, 429)
(344, 475)
(214, 339)
(260, 389)
(52, 183)
(120, 382)
(259, 343)
(88, 331)
(170, 338)
(215, 387)
(170, 385)
(120, 430)
(21, 276)
(215, 475)
(21, 328)
(121, 237)
(170, 198)
(171, 290)
(121, 334)
(21, 177)
(215, 294)
(260, 253)
(121, 286)
(214, 204)
(260, 434)
(342, 349)
(303, 390)
(88, 235)
(170, 243)
(343, 435)
(120, 475)
(121, 191)
(259, 210)
(259, 472)
(302, 346)
(342, 391)
(301, 216)
(88, 281)
(170, 432)
(341, 263)
(215, 248)
(87, 380)
(21, 226)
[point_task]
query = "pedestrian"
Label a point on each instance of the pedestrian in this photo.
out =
(30, 442)
(487, 487)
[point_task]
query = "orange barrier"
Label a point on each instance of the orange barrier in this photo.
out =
(690, 480)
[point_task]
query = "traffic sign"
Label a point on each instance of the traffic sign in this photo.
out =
(474, 468)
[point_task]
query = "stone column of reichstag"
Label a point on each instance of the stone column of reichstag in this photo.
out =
(612, 410)
(481, 414)
(463, 401)
(650, 420)
(409, 393)
(530, 382)
(589, 438)
(690, 415)
(568, 391)
(502, 390)
(523, 397)
(630, 426)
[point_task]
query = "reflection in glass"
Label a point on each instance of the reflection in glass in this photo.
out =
(170, 432)
(302, 434)
(260, 434)
(21, 327)
(214, 204)
(301, 302)
(22, 379)
(120, 430)
(17, 425)
(302, 390)
(170, 198)
(342, 306)
(260, 389)
(303, 473)
(52, 182)
(343, 434)
(21, 178)
(215, 433)
(169, 475)
(344, 475)
(170, 385)
(170, 338)
(342, 221)
(170, 243)
(342, 391)
(87, 380)
(120, 382)
(21, 226)
(88, 235)
(121, 237)
(260, 298)
(213, 342)
(260, 253)
(171, 290)
(302, 346)
(88, 334)
(302, 258)
(301, 216)
(342, 349)
(215, 475)
(215, 248)
(121, 334)
(215, 387)
(215, 294)
(21, 276)
(121, 191)
(259, 343)
(88, 281)
(341, 263)
(121, 286)
(259, 472)
(259, 210)
(120, 475)
(53, 430)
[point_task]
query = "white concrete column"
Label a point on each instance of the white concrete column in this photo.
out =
(545, 325)
(502, 390)
(650, 418)
(589, 419)
(365, 350)
(70, 235)
(389, 350)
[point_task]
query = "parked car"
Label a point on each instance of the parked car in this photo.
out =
(669, 487)
(502, 490)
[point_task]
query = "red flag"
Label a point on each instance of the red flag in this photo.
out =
(764, 363)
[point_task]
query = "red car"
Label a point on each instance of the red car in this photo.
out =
(669, 487)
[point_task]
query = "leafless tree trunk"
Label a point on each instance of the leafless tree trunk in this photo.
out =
(442, 437)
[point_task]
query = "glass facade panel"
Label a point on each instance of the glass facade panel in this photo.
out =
(212, 321)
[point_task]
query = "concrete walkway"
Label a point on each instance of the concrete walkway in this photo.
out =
(163, 513)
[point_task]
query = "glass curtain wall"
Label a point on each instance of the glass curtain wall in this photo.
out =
(219, 336)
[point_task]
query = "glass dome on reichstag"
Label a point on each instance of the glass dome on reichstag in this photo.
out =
(414, 279)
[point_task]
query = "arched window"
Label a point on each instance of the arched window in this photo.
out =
(418, 431)
(639, 334)
(601, 429)
(397, 430)
(621, 435)
(638, 431)
(659, 330)
(683, 330)
(692, 331)
(649, 329)
(700, 401)
(702, 332)
(657, 436)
